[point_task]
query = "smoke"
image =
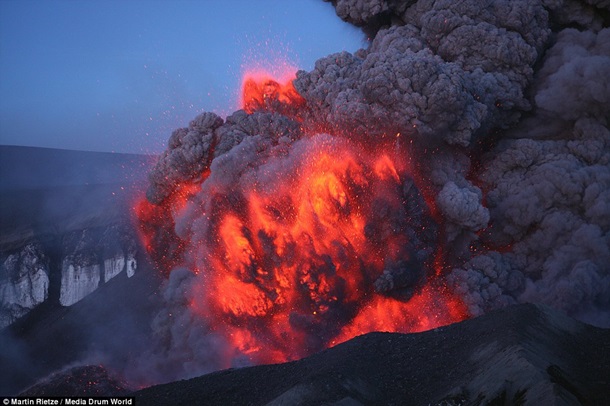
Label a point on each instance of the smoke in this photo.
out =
(546, 183)
(191, 150)
(548, 190)
(449, 73)
(188, 154)
(573, 80)
(183, 346)
(496, 114)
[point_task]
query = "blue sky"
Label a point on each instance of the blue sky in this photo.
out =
(120, 75)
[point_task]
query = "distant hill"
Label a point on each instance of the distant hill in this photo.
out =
(34, 168)
(49, 191)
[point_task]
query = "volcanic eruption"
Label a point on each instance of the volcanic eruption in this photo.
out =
(299, 241)
(440, 173)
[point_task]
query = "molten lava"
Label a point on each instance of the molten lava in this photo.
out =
(433, 306)
(313, 243)
(157, 227)
(296, 264)
(260, 90)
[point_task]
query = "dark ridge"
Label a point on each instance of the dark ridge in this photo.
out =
(46, 192)
(34, 167)
(522, 355)
(91, 380)
(559, 377)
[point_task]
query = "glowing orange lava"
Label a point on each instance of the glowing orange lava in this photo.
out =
(261, 90)
(156, 227)
(433, 306)
(341, 242)
(292, 267)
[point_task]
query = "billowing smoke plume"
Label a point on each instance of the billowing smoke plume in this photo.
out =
(479, 128)
(548, 188)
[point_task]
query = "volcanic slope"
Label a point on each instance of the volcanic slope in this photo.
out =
(523, 355)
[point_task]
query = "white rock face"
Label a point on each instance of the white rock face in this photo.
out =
(132, 265)
(89, 257)
(116, 265)
(24, 283)
(113, 266)
(77, 280)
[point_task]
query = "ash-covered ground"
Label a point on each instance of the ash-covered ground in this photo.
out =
(522, 355)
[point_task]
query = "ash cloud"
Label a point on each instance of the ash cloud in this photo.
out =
(549, 191)
(190, 150)
(503, 109)
(543, 87)
(184, 345)
(188, 155)
(448, 72)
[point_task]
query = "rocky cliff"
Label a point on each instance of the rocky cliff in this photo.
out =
(75, 267)
(24, 282)
(94, 256)
(65, 225)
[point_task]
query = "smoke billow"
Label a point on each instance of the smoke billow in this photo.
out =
(467, 145)
(548, 194)
(449, 73)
